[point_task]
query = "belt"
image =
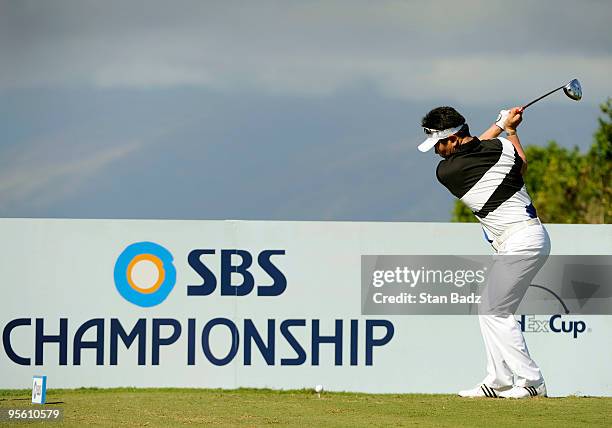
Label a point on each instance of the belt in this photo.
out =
(509, 231)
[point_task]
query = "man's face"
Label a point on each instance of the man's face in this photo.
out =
(446, 147)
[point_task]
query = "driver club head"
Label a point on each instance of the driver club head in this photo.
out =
(573, 90)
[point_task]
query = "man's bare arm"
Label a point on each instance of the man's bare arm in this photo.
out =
(516, 142)
(493, 132)
(514, 119)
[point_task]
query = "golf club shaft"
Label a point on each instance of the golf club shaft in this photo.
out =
(543, 96)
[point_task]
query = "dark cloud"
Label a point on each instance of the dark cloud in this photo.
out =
(201, 154)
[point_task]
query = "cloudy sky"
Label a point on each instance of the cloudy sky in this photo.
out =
(273, 110)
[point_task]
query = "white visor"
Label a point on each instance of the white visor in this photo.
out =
(436, 136)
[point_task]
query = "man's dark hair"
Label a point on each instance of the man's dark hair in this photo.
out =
(443, 118)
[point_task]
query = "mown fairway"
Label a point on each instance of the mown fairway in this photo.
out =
(249, 407)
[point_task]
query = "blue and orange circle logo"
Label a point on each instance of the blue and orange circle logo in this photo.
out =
(144, 274)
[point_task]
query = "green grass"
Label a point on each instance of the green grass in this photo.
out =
(257, 407)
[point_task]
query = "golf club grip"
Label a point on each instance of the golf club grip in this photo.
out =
(543, 96)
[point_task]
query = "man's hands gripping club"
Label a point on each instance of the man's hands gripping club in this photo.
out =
(512, 120)
(506, 119)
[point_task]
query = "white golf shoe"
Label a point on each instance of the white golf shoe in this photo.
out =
(482, 390)
(525, 392)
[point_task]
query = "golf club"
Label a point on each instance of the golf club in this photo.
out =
(572, 90)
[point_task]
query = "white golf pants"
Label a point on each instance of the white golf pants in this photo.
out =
(508, 359)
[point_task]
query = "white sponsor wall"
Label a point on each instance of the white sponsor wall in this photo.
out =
(54, 269)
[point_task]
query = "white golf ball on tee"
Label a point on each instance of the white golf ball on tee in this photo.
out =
(318, 388)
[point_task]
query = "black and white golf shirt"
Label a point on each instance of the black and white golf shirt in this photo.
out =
(486, 176)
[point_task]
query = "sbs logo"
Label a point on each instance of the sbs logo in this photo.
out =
(144, 274)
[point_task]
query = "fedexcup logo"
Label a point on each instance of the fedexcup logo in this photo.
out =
(144, 274)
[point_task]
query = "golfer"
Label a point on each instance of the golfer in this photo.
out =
(486, 173)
